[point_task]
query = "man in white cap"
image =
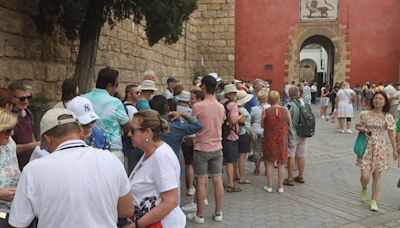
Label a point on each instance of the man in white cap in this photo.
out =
(83, 109)
(216, 76)
(75, 186)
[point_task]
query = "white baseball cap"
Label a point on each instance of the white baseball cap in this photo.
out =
(52, 119)
(83, 109)
(215, 75)
(235, 81)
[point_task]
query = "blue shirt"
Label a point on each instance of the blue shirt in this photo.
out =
(178, 130)
(98, 139)
(142, 105)
(253, 102)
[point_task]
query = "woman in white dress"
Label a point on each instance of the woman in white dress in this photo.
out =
(155, 179)
(344, 107)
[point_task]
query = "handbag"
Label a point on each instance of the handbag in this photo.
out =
(360, 144)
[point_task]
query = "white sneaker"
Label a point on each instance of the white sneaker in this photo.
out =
(342, 131)
(190, 191)
(267, 189)
(280, 190)
(193, 217)
(349, 131)
(218, 217)
(190, 207)
(205, 202)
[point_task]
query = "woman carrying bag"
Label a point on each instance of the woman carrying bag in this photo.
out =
(375, 158)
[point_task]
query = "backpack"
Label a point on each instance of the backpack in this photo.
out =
(126, 140)
(226, 126)
(306, 123)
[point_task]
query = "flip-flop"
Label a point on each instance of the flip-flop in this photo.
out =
(233, 189)
(245, 182)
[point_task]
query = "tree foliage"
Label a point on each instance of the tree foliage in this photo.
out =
(163, 18)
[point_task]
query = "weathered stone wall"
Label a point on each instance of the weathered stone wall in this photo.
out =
(46, 62)
(216, 36)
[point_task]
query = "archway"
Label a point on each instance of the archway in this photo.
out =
(322, 51)
(329, 35)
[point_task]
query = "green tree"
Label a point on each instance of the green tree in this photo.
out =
(83, 19)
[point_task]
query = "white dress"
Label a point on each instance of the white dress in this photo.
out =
(345, 106)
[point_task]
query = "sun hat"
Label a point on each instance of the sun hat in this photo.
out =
(51, 119)
(148, 85)
(262, 96)
(242, 97)
(230, 88)
(83, 109)
(172, 79)
(215, 75)
(184, 96)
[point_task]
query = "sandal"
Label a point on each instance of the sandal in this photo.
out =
(233, 189)
(299, 179)
(245, 181)
(288, 182)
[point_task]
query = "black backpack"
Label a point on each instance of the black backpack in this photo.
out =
(306, 123)
(226, 126)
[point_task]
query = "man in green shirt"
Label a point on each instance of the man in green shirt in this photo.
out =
(111, 111)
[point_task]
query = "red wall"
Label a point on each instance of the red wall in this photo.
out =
(263, 27)
(374, 29)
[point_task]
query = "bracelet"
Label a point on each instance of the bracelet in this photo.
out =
(137, 223)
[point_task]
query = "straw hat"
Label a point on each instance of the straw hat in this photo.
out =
(242, 97)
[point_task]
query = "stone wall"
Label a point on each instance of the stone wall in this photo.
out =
(216, 36)
(46, 62)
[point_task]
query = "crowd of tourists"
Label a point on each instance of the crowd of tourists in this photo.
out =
(106, 161)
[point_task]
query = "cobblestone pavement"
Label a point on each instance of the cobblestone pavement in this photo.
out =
(329, 198)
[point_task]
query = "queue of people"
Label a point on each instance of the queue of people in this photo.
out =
(107, 162)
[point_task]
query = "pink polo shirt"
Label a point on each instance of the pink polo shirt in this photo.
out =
(211, 115)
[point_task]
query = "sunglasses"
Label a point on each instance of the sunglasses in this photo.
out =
(133, 130)
(7, 131)
(22, 99)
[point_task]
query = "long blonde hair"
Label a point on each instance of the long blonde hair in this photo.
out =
(8, 120)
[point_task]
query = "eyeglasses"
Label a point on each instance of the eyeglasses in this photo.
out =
(22, 99)
(137, 129)
(7, 131)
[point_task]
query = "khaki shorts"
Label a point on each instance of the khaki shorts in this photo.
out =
(207, 163)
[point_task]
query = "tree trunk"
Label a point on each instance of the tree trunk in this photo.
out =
(89, 40)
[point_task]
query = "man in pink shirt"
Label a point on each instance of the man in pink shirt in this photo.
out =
(207, 156)
(230, 143)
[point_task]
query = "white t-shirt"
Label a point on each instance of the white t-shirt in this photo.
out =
(159, 173)
(256, 114)
(75, 186)
(131, 109)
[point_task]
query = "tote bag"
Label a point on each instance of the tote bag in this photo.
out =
(360, 144)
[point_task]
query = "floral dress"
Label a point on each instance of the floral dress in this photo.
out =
(376, 153)
(276, 134)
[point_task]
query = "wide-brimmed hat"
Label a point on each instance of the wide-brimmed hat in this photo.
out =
(230, 88)
(83, 109)
(184, 96)
(51, 119)
(262, 96)
(148, 85)
(242, 97)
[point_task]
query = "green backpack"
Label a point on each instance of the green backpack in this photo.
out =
(306, 123)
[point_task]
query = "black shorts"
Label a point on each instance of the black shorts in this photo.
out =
(230, 150)
(244, 143)
(187, 150)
